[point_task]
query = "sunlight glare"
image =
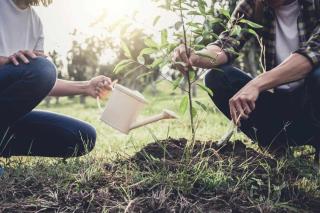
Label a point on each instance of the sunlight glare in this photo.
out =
(122, 8)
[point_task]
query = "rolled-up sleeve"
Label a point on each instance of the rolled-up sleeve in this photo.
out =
(312, 48)
(232, 44)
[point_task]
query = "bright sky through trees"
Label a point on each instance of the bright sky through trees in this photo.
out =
(63, 16)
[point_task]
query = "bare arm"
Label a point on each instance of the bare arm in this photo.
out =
(295, 67)
(207, 58)
(65, 88)
(95, 87)
(217, 56)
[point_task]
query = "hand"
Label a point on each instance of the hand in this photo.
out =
(243, 103)
(24, 56)
(99, 86)
(4, 60)
(180, 55)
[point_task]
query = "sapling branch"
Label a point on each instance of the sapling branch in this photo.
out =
(188, 52)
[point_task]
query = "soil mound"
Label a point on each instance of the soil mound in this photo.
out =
(252, 178)
(173, 151)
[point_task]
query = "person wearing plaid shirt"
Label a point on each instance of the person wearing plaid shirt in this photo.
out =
(280, 107)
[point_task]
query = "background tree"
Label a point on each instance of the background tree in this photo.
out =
(57, 61)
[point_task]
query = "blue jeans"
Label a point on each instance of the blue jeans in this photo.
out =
(280, 119)
(24, 132)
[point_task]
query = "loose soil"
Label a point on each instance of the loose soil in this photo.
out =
(169, 156)
(163, 177)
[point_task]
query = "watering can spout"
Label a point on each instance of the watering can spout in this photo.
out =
(166, 114)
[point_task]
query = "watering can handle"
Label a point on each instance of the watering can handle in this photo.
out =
(98, 98)
(166, 114)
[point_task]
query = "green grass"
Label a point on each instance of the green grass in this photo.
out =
(105, 181)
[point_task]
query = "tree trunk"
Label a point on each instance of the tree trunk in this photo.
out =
(47, 101)
(82, 99)
(154, 90)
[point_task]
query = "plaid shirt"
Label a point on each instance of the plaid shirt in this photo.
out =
(308, 30)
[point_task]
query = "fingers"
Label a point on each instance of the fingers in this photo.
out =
(107, 83)
(240, 108)
(30, 54)
(246, 108)
(14, 60)
(233, 112)
(183, 54)
(21, 56)
(180, 55)
(4, 60)
(101, 85)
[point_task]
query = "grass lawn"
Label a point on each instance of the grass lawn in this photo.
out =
(114, 178)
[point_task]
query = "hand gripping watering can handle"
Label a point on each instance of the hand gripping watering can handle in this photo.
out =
(98, 98)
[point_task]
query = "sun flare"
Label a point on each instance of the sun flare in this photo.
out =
(123, 8)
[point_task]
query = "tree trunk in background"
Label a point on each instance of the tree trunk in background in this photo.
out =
(154, 90)
(82, 99)
(57, 101)
(47, 101)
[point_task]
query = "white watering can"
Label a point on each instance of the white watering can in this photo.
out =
(123, 108)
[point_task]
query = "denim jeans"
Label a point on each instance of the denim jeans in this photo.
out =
(28, 132)
(281, 118)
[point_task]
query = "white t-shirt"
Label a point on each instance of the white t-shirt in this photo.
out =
(19, 29)
(287, 36)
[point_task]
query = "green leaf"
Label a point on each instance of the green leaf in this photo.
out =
(192, 75)
(133, 70)
(151, 43)
(176, 83)
(156, 63)
(202, 8)
(183, 105)
(156, 20)
(214, 20)
(168, 4)
(194, 24)
(147, 51)
(126, 50)
(141, 59)
(164, 37)
(225, 13)
(204, 107)
(251, 24)
(144, 74)
(194, 112)
(251, 31)
(122, 65)
(236, 30)
(206, 89)
(198, 40)
(195, 13)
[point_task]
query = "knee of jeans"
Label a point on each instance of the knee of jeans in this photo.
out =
(87, 140)
(313, 80)
(215, 78)
(42, 74)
